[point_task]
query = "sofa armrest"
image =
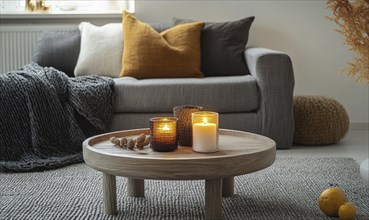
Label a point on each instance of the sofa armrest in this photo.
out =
(275, 79)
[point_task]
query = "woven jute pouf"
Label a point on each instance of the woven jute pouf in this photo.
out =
(319, 120)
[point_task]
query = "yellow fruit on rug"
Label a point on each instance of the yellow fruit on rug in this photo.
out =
(347, 211)
(330, 200)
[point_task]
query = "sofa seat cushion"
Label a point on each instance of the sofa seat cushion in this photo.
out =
(220, 94)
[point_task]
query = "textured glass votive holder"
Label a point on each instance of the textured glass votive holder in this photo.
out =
(184, 125)
(163, 132)
(205, 135)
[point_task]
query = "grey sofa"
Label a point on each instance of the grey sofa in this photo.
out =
(259, 102)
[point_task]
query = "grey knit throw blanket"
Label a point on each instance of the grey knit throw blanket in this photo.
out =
(45, 116)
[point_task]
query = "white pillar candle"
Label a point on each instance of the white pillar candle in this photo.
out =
(205, 132)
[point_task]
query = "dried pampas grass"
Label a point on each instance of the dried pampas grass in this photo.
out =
(353, 19)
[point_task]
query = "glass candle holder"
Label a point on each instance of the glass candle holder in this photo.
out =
(205, 136)
(163, 132)
(184, 124)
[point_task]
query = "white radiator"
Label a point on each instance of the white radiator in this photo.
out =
(18, 42)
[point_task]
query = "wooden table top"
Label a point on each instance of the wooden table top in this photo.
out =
(239, 153)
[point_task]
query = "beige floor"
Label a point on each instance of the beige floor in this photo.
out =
(354, 145)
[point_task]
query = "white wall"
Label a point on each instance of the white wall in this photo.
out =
(298, 28)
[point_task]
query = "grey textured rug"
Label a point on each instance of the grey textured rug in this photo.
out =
(289, 189)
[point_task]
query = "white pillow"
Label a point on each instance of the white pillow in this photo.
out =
(101, 50)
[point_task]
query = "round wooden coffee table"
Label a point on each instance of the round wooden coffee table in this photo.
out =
(239, 153)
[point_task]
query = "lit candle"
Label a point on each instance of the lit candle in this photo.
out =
(163, 132)
(205, 132)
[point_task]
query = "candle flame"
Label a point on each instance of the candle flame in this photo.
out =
(166, 128)
(205, 120)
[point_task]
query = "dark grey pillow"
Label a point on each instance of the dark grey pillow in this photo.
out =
(222, 46)
(58, 49)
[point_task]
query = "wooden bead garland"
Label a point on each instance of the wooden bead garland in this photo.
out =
(130, 143)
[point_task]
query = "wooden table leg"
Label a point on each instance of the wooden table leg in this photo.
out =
(213, 199)
(136, 187)
(228, 186)
(110, 194)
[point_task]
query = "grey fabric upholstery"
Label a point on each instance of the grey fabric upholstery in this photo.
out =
(273, 72)
(236, 121)
(220, 94)
(160, 27)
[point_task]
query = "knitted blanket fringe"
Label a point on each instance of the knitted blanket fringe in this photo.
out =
(45, 116)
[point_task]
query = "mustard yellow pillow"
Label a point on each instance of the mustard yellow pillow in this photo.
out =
(173, 53)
